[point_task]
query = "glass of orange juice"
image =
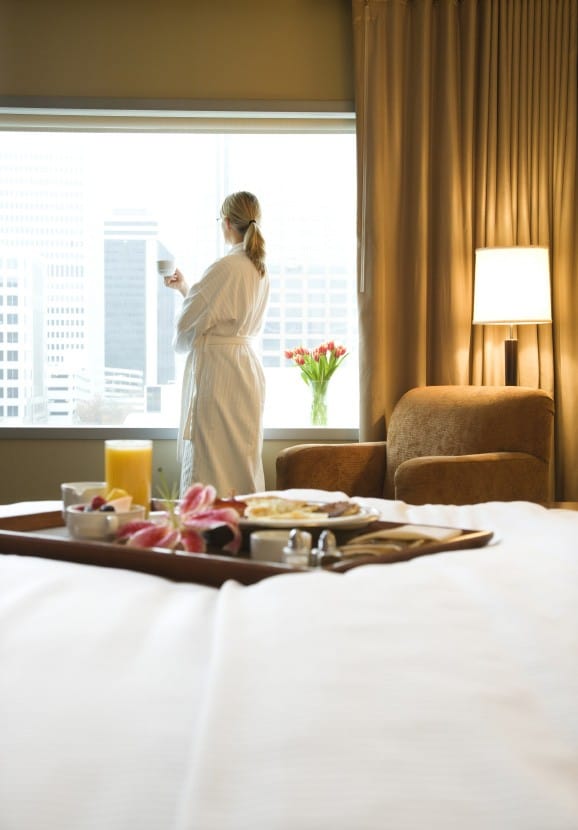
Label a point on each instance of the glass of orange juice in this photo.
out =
(128, 465)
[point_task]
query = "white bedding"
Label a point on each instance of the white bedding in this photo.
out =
(436, 693)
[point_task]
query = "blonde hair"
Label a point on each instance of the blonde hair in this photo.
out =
(243, 211)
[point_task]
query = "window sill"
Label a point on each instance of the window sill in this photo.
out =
(44, 433)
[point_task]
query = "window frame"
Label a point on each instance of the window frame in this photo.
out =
(320, 119)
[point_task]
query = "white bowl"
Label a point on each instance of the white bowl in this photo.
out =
(99, 525)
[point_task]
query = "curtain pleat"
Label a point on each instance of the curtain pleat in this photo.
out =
(467, 137)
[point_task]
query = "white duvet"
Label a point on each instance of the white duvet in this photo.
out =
(437, 693)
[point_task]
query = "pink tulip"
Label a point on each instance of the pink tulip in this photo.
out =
(320, 363)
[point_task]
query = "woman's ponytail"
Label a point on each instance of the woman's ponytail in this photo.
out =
(244, 213)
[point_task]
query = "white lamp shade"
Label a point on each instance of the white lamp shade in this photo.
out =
(512, 286)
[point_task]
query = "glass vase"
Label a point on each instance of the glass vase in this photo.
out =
(319, 402)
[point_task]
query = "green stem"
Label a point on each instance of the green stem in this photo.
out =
(319, 402)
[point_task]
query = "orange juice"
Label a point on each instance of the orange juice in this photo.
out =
(129, 465)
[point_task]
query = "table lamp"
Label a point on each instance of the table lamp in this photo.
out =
(512, 288)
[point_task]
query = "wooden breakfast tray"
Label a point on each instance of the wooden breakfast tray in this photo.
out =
(43, 534)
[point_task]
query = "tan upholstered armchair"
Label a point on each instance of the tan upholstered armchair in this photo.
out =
(445, 445)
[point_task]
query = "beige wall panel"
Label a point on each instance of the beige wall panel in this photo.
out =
(288, 50)
(34, 469)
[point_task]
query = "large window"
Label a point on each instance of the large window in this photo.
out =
(86, 323)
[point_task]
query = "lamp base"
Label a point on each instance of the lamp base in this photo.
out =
(511, 362)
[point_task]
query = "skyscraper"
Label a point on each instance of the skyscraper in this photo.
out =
(138, 310)
(42, 270)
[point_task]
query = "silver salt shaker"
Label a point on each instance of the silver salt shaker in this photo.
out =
(297, 551)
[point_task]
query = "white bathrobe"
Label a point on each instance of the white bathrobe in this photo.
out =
(223, 385)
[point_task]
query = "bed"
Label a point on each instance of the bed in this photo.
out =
(436, 693)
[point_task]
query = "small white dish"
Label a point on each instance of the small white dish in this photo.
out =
(99, 525)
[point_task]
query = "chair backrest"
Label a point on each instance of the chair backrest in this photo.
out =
(463, 420)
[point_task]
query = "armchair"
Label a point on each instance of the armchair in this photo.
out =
(445, 445)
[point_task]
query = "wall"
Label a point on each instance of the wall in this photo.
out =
(291, 54)
(33, 469)
(178, 50)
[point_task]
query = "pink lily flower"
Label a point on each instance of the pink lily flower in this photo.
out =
(154, 536)
(184, 530)
(216, 518)
(132, 527)
(192, 541)
(197, 499)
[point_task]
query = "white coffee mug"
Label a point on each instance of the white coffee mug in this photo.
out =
(166, 267)
(165, 261)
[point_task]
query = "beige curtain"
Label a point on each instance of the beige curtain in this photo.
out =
(467, 137)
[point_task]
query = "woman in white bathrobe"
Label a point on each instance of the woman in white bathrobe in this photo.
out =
(221, 431)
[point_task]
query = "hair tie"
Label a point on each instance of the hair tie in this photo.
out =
(252, 221)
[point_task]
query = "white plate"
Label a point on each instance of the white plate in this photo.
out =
(365, 515)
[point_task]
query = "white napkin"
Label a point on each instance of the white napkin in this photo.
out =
(395, 539)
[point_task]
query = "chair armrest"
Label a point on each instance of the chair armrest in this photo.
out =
(355, 469)
(469, 479)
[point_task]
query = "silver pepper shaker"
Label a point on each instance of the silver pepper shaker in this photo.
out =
(326, 547)
(297, 551)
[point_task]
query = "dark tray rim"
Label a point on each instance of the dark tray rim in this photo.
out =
(22, 535)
